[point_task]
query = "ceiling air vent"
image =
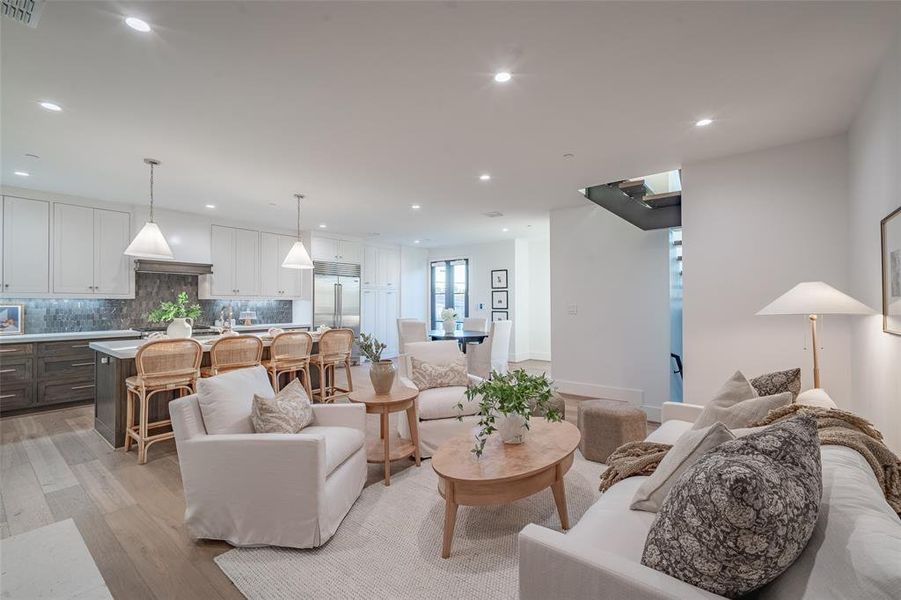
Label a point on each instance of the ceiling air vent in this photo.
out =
(23, 11)
(493, 214)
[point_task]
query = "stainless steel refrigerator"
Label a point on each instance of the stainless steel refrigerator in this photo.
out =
(336, 297)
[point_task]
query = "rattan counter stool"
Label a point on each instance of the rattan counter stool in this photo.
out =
(335, 346)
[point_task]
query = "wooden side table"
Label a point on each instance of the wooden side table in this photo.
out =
(397, 400)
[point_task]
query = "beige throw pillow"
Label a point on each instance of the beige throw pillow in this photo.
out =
(288, 412)
(746, 412)
(736, 389)
(690, 446)
(426, 376)
(816, 397)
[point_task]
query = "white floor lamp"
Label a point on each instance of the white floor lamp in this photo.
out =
(814, 298)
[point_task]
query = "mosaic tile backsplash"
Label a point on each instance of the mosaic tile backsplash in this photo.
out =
(54, 315)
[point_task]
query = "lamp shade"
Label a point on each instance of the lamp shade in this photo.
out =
(815, 298)
(150, 243)
(297, 258)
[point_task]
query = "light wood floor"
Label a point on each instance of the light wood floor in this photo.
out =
(53, 466)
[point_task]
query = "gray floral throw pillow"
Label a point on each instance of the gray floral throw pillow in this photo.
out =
(289, 412)
(778, 382)
(743, 513)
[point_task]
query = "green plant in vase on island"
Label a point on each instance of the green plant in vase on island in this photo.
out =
(179, 314)
(512, 399)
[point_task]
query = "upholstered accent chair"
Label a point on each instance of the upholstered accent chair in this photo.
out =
(274, 489)
(475, 324)
(436, 407)
(493, 354)
(410, 330)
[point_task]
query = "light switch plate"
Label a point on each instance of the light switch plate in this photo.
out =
(572, 309)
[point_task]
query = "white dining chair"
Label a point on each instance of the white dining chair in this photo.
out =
(493, 354)
(410, 331)
(475, 324)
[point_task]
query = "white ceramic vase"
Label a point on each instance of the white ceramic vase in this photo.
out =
(449, 325)
(180, 328)
(512, 428)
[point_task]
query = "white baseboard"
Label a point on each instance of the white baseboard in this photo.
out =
(546, 357)
(515, 358)
(593, 390)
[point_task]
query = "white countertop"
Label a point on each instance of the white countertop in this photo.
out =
(267, 326)
(128, 348)
(68, 335)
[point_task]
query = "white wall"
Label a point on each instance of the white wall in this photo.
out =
(753, 226)
(540, 299)
(414, 283)
(616, 279)
(522, 324)
(875, 176)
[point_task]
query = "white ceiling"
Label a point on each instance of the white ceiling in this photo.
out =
(371, 107)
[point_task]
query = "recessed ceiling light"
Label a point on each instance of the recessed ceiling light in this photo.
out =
(52, 106)
(211, 206)
(322, 226)
(415, 241)
(415, 206)
(569, 155)
(23, 174)
(502, 76)
(485, 177)
(703, 122)
(137, 24)
(30, 155)
(505, 229)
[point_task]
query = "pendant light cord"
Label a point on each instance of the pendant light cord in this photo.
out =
(299, 197)
(151, 192)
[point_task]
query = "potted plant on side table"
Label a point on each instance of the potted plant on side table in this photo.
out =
(178, 314)
(507, 402)
(381, 372)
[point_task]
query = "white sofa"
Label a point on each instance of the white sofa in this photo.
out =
(436, 407)
(253, 489)
(855, 551)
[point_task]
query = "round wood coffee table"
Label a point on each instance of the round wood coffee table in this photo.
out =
(397, 400)
(505, 472)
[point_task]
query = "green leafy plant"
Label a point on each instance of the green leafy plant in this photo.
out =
(370, 347)
(169, 311)
(513, 393)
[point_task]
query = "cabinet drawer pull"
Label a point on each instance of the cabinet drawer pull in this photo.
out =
(88, 364)
(7, 396)
(7, 370)
(81, 346)
(82, 387)
(8, 350)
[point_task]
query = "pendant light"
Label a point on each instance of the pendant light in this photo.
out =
(298, 258)
(150, 243)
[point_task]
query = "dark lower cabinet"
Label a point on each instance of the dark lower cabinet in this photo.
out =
(46, 374)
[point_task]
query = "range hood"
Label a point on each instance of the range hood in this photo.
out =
(171, 267)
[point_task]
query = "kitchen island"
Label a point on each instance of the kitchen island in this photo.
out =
(115, 362)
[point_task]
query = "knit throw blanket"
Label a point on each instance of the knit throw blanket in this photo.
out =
(835, 427)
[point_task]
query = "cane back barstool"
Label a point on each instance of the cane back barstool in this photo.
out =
(335, 346)
(163, 366)
(290, 353)
(234, 352)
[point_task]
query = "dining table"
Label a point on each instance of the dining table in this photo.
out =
(462, 336)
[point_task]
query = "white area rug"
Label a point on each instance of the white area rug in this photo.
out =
(51, 562)
(389, 545)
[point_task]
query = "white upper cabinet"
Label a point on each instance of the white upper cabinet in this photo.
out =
(371, 265)
(324, 248)
(113, 272)
(88, 246)
(222, 251)
(335, 250)
(381, 267)
(26, 246)
(73, 249)
(247, 262)
(275, 280)
(289, 280)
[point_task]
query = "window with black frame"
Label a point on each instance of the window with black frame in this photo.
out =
(449, 288)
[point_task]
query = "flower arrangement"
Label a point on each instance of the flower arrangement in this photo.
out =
(167, 312)
(371, 348)
(449, 314)
(514, 397)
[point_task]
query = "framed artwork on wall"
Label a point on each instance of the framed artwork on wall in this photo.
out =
(499, 300)
(499, 279)
(12, 319)
(891, 272)
(499, 315)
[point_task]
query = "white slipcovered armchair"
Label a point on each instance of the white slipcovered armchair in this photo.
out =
(493, 354)
(253, 489)
(436, 407)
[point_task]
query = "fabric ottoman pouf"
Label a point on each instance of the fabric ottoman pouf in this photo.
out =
(743, 513)
(608, 424)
